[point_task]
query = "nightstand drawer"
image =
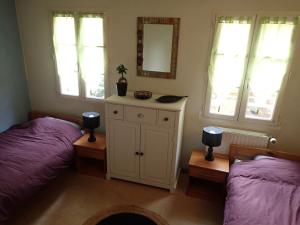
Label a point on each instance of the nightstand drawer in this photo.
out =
(140, 115)
(206, 174)
(115, 111)
(90, 153)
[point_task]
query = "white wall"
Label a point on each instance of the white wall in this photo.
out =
(195, 35)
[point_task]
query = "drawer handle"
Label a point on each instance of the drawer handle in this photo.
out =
(115, 112)
(166, 119)
(140, 115)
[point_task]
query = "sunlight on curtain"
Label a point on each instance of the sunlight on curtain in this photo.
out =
(268, 66)
(228, 63)
(66, 54)
(91, 49)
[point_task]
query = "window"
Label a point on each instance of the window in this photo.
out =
(248, 65)
(78, 41)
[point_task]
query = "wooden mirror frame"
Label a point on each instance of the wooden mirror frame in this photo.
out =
(140, 37)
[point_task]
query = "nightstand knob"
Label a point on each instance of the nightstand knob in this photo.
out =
(115, 112)
(166, 119)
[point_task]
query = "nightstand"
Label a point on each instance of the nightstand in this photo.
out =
(207, 179)
(91, 156)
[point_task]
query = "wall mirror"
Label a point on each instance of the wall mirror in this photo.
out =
(157, 46)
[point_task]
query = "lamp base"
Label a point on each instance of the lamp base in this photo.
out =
(210, 156)
(92, 137)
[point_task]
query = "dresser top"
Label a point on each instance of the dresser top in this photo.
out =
(149, 103)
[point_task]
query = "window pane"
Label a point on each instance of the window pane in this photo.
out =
(92, 61)
(91, 31)
(227, 65)
(66, 54)
(66, 59)
(268, 68)
(92, 64)
(95, 86)
(69, 86)
(64, 30)
(92, 56)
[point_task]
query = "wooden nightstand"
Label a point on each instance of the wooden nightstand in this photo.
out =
(91, 156)
(207, 179)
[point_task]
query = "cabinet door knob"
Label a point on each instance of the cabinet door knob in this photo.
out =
(141, 154)
(137, 153)
(166, 119)
(140, 115)
(115, 112)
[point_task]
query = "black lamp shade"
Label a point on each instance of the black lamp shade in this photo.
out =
(212, 136)
(91, 120)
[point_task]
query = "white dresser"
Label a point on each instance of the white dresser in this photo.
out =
(144, 140)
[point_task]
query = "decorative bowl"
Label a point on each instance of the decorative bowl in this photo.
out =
(143, 95)
(169, 98)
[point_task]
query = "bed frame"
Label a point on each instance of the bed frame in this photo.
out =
(238, 151)
(38, 114)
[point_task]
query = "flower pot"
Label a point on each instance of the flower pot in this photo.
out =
(122, 88)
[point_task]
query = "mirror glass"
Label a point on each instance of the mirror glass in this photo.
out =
(157, 50)
(157, 46)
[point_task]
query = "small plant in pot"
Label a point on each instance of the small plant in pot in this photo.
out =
(122, 82)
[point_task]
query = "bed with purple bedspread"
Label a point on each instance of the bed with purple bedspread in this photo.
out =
(31, 155)
(263, 192)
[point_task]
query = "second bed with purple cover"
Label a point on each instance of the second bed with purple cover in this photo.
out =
(263, 192)
(31, 155)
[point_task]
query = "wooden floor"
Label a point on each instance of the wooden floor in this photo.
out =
(73, 198)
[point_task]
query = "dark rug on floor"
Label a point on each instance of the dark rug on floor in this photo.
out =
(126, 219)
(126, 215)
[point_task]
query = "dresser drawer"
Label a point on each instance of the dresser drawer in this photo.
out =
(166, 118)
(140, 115)
(115, 111)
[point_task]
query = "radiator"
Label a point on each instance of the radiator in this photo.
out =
(241, 137)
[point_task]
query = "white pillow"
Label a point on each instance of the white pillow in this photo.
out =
(237, 161)
(259, 157)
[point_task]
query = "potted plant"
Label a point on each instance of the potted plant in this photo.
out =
(122, 82)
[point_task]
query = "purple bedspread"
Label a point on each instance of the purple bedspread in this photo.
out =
(263, 192)
(30, 155)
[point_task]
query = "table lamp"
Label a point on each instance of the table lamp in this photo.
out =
(91, 120)
(211, 137)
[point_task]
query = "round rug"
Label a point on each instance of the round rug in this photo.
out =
(126, 215)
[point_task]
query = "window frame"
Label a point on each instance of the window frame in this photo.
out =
(240, 110)
(81, 83)
(209, 87)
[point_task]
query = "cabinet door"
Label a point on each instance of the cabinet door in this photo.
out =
(156, 146)
(124, 138)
